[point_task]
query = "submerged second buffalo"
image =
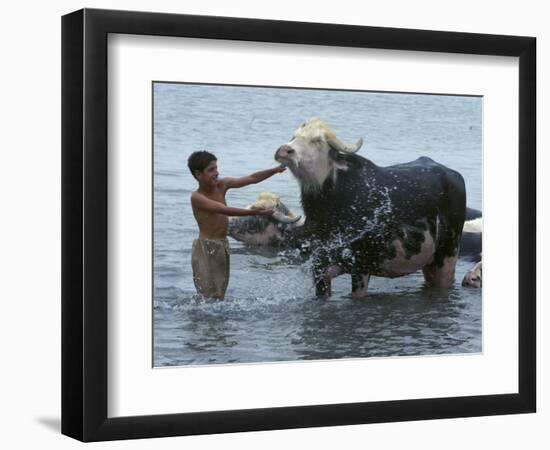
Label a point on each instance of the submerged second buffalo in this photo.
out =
(365, 220)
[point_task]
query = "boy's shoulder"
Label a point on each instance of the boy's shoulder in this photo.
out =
(195, 197)
(224, 183)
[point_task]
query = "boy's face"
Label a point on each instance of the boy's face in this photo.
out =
(209, 176)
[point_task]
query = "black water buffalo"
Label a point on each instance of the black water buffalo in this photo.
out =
(278, 231)
(365, 220)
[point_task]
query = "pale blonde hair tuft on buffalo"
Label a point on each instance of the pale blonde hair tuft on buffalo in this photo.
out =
(315, 128)
(266, 200)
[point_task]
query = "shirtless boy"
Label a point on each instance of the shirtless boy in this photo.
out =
(210, 256)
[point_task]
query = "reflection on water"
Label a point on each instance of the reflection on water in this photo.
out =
(270, 313)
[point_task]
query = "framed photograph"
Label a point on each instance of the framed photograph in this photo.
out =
(273, 224)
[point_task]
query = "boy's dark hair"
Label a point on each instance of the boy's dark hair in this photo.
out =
(199, 160)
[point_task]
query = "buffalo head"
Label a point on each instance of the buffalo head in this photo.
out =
(314, 153)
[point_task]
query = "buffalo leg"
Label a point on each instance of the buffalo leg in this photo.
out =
(323, 274)
(322, 282)
(359, 285)
(443, 275)
(441, 272)
(323, 287)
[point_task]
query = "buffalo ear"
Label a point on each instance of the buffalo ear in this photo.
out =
(337, 159)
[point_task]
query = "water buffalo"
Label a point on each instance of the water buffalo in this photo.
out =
(472, 278)
(365, 220)
(471, 242)
(261, 230)
(264, 230)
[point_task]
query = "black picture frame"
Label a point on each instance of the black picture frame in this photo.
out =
(84, 224)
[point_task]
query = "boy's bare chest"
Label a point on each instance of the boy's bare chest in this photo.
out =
(218, 196)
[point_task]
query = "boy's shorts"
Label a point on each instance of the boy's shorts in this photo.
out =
(210, 262)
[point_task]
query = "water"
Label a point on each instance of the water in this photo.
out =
(270, 312)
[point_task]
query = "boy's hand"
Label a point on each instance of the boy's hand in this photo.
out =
(264, 211)
(280, 169)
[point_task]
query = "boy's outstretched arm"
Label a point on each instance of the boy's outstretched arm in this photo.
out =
(202, 202)
(254, 178)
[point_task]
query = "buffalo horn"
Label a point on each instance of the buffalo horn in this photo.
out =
(280, 217)
(346, 148)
